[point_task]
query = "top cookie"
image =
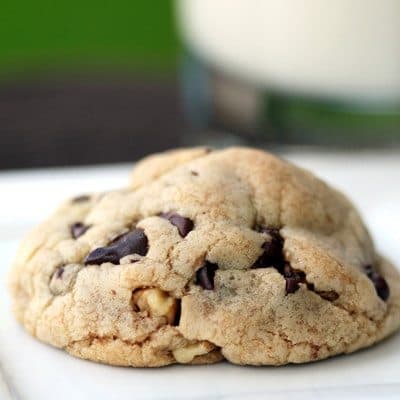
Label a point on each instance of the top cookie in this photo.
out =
(231, 254)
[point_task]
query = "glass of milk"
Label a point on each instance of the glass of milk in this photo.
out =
(294, 71)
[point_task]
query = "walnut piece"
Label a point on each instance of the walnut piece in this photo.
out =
(156, 302)
(186, 354)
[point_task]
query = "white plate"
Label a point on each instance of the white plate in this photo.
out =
(33, 370)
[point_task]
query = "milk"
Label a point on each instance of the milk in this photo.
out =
(342, 49)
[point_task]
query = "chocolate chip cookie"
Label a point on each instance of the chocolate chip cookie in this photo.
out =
(207, 255)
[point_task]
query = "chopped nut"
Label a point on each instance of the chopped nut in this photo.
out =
(156, 302)
(186, 354)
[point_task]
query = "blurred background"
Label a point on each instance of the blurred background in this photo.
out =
(98, 82)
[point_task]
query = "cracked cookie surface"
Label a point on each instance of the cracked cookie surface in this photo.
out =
(207, 255)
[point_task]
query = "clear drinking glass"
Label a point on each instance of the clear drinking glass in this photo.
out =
(294, 72)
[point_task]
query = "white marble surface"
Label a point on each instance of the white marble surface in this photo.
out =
(34, 371)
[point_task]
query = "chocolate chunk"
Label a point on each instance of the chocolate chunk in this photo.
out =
(59, 273)
(81, 199)
(133, 242)
(184, 225)
(369, 270)
(310, 286)
(78, 229)
(205, 276)
(381, 286)
(273, 257)
(292, 285)
(293, 277)
(329, 295)
(194, 173)
(178, 314)
(273, 250)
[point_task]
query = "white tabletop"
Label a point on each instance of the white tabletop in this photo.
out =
(30, 370)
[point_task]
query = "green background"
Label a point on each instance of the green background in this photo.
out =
(46, 34)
